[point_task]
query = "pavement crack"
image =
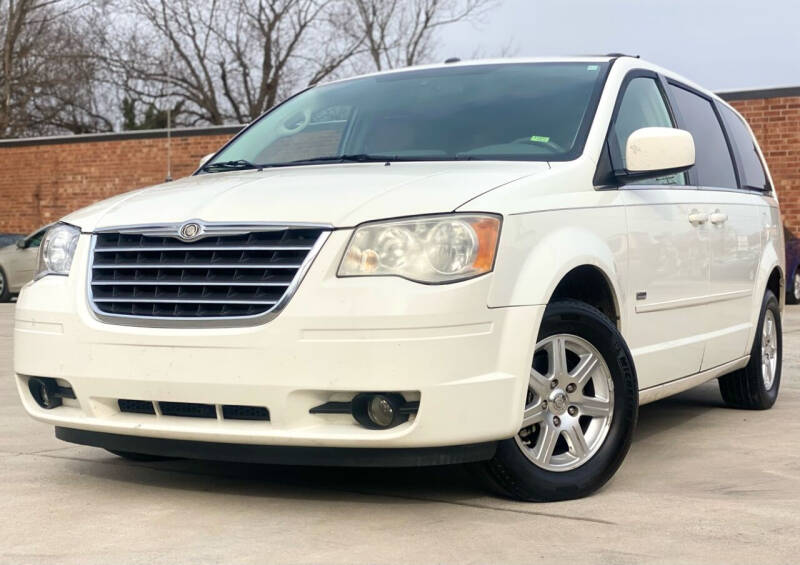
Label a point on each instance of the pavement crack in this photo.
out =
(484, 507)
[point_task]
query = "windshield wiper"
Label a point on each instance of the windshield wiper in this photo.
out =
(238, 165)
(355, 158)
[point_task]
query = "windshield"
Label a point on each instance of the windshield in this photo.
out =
(518, 111)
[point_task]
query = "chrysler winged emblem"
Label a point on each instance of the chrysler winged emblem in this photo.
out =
(189, 231)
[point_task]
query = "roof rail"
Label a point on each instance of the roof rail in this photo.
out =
(620, 55)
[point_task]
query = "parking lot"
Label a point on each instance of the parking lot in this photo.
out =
(702, 483)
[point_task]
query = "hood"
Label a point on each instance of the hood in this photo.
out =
(341, 195)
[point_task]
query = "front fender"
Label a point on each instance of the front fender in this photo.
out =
(537, 250)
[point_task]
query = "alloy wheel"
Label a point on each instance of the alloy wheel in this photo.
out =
(569, 406)
(769, 349)
(796, 287)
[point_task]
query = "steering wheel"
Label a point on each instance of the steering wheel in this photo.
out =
(299, 126)
(548, 143)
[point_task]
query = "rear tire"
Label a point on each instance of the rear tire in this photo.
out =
(141, 457)
(590, 441)
(756, 386)
(793, 292)
(5, 291)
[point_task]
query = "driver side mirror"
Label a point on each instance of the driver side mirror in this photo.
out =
(655, 152)
(21, 244)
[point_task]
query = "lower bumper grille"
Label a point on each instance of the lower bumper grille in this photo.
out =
(194, 410)
(188, 409)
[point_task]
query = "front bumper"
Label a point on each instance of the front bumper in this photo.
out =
(466, 363)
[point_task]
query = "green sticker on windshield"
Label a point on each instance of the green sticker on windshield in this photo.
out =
(540, 138)
(592, 68)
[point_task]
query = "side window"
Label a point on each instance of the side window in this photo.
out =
(750, 165)
(35, 240)
(713, 161)
(643, 106)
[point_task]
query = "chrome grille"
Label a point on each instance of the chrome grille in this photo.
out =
(153, 274)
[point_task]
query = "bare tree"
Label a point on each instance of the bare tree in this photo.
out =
(79, 65)
(401, 33)
(47, 78)
(230, 60)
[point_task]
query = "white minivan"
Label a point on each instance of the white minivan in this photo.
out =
(490, 262)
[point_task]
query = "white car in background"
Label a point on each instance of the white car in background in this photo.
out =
(18, 263)
(492, 262)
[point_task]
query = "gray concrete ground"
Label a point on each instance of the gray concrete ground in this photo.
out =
(702, 484)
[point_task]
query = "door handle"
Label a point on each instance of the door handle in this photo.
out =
(697, 218)
(718, 217)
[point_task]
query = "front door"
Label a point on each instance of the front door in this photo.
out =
(668, 250)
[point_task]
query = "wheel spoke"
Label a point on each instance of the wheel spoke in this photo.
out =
(533, 414)
(539, 383)
(594, 407)
(545, 445)
(557, 354)
(576, 441)
(583, 370)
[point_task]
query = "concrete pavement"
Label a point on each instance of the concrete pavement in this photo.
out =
(702, 484)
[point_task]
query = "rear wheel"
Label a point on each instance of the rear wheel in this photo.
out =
(580, 410)
(793, 294)
(5, 292)
(756, 386)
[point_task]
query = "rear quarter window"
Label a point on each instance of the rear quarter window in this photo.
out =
(751, 168)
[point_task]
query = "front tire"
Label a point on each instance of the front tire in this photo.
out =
(756, 386)
(580, 414)
(5, 291)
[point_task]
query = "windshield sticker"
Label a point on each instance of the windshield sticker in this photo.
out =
(592, 68)
(540, 138)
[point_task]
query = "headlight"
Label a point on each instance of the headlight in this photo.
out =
(432, 249)
(57, 249)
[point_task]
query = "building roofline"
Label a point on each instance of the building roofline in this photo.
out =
(758, 93)
(120, 136)
(727, 95)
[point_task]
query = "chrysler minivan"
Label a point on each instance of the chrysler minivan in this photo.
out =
(492, 262)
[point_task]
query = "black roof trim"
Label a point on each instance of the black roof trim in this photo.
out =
(120, 136)
(757, 93)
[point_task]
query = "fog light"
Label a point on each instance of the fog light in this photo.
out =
(378, 411)
(45, 392)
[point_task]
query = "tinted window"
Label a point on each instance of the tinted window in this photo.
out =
(530, 111)
(712, 158)
(643, 106)
(750, 165)
(36, 239)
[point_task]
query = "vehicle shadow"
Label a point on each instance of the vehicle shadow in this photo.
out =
(661, 417)
(452, 484)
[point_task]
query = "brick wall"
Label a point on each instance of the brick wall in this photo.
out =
(42, 180)
(776, 123)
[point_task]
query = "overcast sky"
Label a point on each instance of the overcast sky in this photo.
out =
(720, 44)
